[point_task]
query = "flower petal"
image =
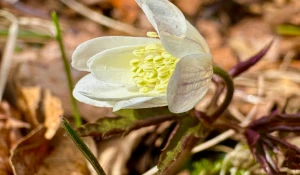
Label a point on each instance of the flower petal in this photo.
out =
(189, 82)
(193, 34)
(179, 47)
(88, 84)
(141, 102)
(91, 47)
(113, 65)
(164, 16)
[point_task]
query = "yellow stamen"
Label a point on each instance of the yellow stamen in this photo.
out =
(152, 69)
(152, 35)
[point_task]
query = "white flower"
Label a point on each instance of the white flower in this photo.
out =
(141, 72)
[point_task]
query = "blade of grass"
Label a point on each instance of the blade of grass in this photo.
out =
(67, 69)
(9, 49)
(82, 146)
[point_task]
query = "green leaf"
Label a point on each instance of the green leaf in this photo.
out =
(127, 120)
(178, 150)
(206, 166)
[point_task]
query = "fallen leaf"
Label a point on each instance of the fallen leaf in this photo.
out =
(9, 134)
(28, 154)
(64, 158)
(114, 153)
(52, 110)
(29, 103)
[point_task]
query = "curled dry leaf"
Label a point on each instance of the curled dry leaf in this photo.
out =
(34, 154)
(52, 110)
(40, 106)
(29, 102)
(64, 159)
(114, 153)
(9, 134)
(28, 153)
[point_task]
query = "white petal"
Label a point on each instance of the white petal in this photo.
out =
(164, 16)
(193, 34)
(86, 50)
(180, 46)
(85, 85)
(91, 87)
(141, 102)
(113, 65)
(189, 82)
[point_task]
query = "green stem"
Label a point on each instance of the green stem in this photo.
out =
(82, 146)
(229, 94)
(67, 69)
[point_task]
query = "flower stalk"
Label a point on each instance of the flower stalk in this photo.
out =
(58, 37)
(229, 93)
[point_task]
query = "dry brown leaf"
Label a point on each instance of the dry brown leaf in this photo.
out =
(64, 159)
(5, 144)
(34, 154)
(32, 74)
(114, 153)
(29, 103)
(52, 110)
(5, 168)
(28, 153)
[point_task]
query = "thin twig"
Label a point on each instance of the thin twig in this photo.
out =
(225, 135)
(67, 69)
(9, 49)
(101, 19)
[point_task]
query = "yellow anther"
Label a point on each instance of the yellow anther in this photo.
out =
(152, 74)
(169, 61)
(165, 81)
(134, 68)
(134, 62)
(149, 58)
(163, 74)
(151, 47)
(151, 85)
(142, 74)
(161, 91)
(144, 90)
(138, 52)
(160, 87)
(148, 67)
(139, 70)
(138, 80)
(166, 55)
(152, 35)
(157, 59)
(171, 71)
(152, 68)
(151, 80)
(163, 69)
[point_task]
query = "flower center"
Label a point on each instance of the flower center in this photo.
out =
(152, 68)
